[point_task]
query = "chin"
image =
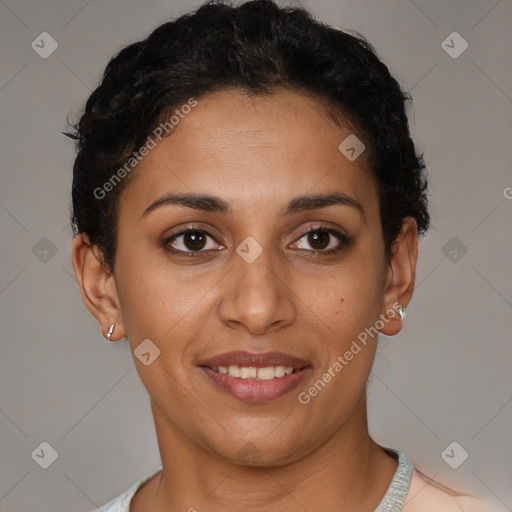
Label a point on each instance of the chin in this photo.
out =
(260, 452)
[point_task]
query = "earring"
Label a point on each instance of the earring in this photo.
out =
(110, 331)
(401, 312)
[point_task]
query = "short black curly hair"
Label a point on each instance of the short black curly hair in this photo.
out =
(256, 47)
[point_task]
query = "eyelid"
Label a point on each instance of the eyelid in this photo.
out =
(183, 231)
(343, 239)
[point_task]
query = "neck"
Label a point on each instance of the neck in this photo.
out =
(348, 472)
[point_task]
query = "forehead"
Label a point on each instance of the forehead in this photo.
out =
(250, 149)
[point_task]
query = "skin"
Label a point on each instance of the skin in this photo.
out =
(257, 154)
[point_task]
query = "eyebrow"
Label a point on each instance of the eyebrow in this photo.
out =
(218, 205)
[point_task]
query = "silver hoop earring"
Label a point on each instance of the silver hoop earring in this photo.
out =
(401, 312)
(110, 331)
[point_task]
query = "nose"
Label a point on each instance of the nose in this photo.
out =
(257, 295)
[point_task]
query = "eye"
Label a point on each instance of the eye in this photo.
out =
(324, 240)
(190, 241)
(193, 241)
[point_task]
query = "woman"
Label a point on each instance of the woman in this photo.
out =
(247, 202)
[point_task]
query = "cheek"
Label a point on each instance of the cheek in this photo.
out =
(161, 303)
(137, 300)
(346, 299)
(140, 295)
(348, 306)
(153, 309)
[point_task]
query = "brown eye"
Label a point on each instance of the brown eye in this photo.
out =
(190, 241)
(319, 239)
(194, 240)
(323, 240)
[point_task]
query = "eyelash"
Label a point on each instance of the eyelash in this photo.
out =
(344, 240)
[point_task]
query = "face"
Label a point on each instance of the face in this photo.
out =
(252, 295)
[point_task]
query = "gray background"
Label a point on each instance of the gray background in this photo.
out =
(446, 377)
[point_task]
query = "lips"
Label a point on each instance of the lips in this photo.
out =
(254, 382)
(255, 360)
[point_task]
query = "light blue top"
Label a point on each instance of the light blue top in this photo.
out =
(392, 501)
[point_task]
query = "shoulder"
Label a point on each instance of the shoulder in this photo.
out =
(122, 502)
(426, 495)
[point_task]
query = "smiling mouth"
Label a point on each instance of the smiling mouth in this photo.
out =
(251, 372)
(255, 377)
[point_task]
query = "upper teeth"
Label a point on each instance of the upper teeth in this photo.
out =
(244, 372)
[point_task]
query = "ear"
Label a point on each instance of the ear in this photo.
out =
(400, 276)
(98, 286)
